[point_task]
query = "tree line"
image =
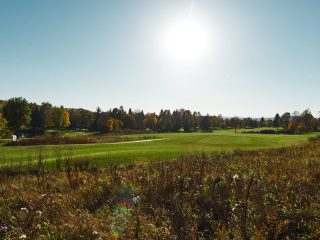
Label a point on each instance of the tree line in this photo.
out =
(17, 114)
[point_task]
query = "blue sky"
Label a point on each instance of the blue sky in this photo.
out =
(263, 56)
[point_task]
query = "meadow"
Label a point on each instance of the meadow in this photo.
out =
(158, 146)
(251, 194)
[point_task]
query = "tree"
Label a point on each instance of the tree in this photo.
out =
(314, 124)
(176, 120)
(66, 119)
(109, 126)
(187, 121)
(2, 104)
(36, 116)
(113, 124)
(196, 120)
(58, 117)
(96, 118)
(3, 125)
(117, 124)
(139, 116)
(285, 119)
(262, 122)
(17, 111)
(305, 118)
(150, 121)
(205, 123)
(129, 121)
(102, 124)
(86, 118)
(81, 118)
(217, 121)
(46, 112)
(276, 121)
(234, 123)
(118, 113)
(165, 123)
(293, 125)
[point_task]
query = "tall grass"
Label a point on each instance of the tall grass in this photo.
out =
(262, 194)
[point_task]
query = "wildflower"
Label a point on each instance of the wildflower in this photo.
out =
(43, 195)
(235, 177)
(234, 208)
(24, 209)
(115, 235)
(23, 236)
(39, 212)
(4, 227)
(136, 199)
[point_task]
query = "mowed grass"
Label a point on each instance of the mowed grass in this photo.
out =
(171, 146)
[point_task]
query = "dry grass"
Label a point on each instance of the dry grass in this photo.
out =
(265, 194)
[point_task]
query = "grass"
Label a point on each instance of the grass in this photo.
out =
(171, 147)
(260, 194)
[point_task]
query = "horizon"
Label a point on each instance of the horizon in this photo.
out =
(248, 58)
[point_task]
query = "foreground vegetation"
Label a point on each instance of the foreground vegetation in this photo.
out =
(260, 194)
(162, 146)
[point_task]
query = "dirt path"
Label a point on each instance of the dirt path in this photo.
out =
(138, 141)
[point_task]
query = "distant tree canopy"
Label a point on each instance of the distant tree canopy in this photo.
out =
(2, 103)
(3, 122)
(18, 114)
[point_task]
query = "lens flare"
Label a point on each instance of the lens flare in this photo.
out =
(126, 201)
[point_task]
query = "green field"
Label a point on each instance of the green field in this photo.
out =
(171, 146)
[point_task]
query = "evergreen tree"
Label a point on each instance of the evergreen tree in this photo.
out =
(276, 121)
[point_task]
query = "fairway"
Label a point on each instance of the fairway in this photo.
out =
(171, 146)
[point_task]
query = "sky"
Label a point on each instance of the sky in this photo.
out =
(260, 57)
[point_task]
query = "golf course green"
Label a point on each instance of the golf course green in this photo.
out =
(165, 146)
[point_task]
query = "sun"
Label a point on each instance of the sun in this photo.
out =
(186, 41)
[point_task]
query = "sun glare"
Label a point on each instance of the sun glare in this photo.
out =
(186, 41)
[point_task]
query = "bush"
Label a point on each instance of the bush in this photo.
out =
(268, 131)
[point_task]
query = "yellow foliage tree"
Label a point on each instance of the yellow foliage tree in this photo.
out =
(3, 122)
(109, 125)
(117, 124)
(66, 119)
(113, 124)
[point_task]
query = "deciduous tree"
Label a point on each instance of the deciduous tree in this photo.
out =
(205, 123)
(17, 112)
(129, 121)
(66, 119)
(314, 124)
(285, 119)
(150, 121)
(58, 117)
(46, 112)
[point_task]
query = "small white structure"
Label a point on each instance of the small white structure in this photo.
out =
(14, 138)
